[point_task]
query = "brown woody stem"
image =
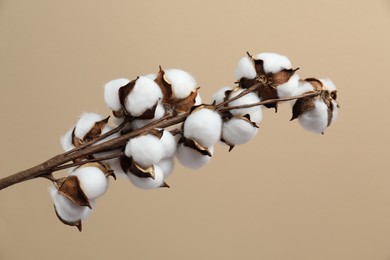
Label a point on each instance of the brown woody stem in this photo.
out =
(61, 161)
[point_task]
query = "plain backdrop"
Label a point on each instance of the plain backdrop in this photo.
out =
(288, 194)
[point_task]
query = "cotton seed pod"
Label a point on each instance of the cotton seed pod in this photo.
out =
(159, 113)
(274, 62)
(192, 158)
(148, 183)
(203, 125)
(68, 212)
(182, 82)
(166, 165)
(315, 114)
(255, 112)
(93, 180)
(140, 97)
(146, 150)
(238, 131)
(111, 93)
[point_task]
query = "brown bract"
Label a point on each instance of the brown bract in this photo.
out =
(269, 81)
(71, 189)
(129, 166)
(191, 143)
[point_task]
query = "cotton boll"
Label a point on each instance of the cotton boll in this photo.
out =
(303, 87)
(191, 158)
(328, 84)
(93, 181)
(146, 150)
(66, 141)
(169, 143)
(203, 125)
(182, 82)
(145, 95)
(245, 69)
(111, 96)
(67, 210)
(255, 112)
(289, 88)
(86, 123)
(159, 113)
(315, 120)
(238, 131)
(166, 165)
(219, 96)
(148, 183)
(273, 62)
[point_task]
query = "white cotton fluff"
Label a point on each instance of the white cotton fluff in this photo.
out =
(67, 210)
(111, 95)
(198, 100)
(273, 62)
(238, 131)
(316, 120)
(115, 165)
(255, 113)
(166, 165)
(93, 181)
(66, 141)
(303, 87)
(219, 96)
(191, 158)
(146, 150)
(169, 143)
(204, 126)
(145, 94)
(151, 76)
(289, 88)
(183, 83)
(148, 183)
(328, 84)
(159, 113)
(245, 69)
(86, 123)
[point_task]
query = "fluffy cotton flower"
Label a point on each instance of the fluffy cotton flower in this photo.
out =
(273, 62)
(255, 112)
(67, 210)
(148, 183)
(245, 69)
(93, 181)
(203, 125)
(85, 123)
(191, 158)
(146, 150)
(315, 120)
(166, 165)
(144, 95)
(159, 113)
(169, 142)
(182, 82)
(238, 131)
(111, 96)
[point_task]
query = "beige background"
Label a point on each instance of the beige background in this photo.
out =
(289, 194)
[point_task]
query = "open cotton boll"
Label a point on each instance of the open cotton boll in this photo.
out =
(316, 120)
(255, 113)
(66, 141)
(203, 125)
(328, 84)
(145, 95)
(245, 69)
(148, 183)
(273, 62)
(183, 83)
(191, 158)
(67, 210)
(146, 150)
(93, 181)
(86, 123)
(159, 113)
(111, 96)
(219, 96)
(238, 131)
(166, 165)
(169, 143)
(289, 88)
